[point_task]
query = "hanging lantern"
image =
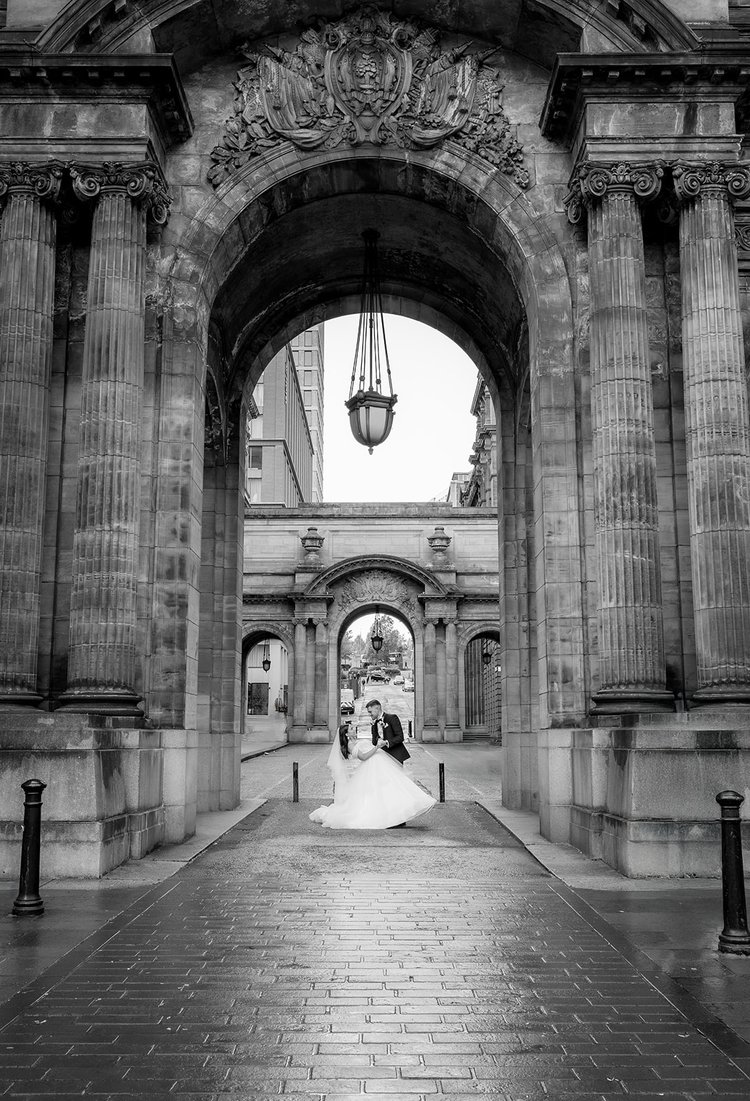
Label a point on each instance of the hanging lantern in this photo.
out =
(266, 663)
(487, 656)
(376, 639)
(370, 409)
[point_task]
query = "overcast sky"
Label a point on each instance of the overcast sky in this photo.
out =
(433, 429)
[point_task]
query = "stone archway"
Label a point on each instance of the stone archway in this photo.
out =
(122, 560)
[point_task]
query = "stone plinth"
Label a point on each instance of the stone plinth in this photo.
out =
(103, 802)
(642, 798)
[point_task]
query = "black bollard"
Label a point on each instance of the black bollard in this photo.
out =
(411, 735)
(29, 903)
(735, 936)
(441, 781)
(295, 782)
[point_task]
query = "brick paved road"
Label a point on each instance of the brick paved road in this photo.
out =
(436, 960)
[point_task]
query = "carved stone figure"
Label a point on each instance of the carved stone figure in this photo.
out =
(369, 78)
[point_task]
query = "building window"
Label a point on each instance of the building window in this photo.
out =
(255, 458)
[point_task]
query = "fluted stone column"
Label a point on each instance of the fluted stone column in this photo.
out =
(27, 286)
(300, 668)
(451, 670)
(430, 675)
(101, 664)
(717, 428)
(321, 673)
(631, 641)
(440, 664)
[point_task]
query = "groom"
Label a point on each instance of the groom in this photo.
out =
(387, 732)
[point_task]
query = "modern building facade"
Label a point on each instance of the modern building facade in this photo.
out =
(564, 189)
(280, 451)
(308, 350)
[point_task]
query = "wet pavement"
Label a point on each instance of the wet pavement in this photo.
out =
(441, 959)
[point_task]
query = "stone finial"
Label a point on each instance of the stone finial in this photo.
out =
(692, 179)
(142, 182)
(439, 543)
(312, 542)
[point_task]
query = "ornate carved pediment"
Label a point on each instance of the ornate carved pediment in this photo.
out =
(376, 587)
(368, 79)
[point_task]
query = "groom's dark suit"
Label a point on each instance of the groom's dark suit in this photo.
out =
(393, 734)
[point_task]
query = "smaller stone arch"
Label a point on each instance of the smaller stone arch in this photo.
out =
(257, 629)
(254, 632)
(480, 691)
(382, 563)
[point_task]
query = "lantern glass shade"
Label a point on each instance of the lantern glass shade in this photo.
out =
(266, 664)
(370, 417)
(487, 657)
(371, 397)
(377, 643)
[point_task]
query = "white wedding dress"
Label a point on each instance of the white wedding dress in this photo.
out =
(370, 795)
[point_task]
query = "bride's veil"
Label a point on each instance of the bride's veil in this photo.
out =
(337, 766)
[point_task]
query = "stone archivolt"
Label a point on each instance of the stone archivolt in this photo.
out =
(376, 586)
(368, 79)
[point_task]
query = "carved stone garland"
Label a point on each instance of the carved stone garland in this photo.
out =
(376, 587)
(368, 79)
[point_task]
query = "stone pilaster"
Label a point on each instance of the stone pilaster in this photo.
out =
(631, 642)
(321, 673)
(27, 285)
(717, 428)
(440, 663)
(101, 664)
(451, 674)
(300, 668)
(430, 675)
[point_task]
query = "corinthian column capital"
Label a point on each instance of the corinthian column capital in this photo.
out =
(143, 183)
(590, 183)
(41, 180)
(692, 180)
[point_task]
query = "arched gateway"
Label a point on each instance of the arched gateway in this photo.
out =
(169, 223)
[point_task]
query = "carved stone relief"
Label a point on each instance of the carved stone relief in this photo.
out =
(368, 79)
(376, 587)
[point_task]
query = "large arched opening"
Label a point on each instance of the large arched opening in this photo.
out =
(279, 248)
(477, 247)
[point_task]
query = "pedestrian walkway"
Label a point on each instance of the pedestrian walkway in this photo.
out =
(263, 734)
(438, 960)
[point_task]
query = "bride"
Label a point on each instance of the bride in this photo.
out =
(371, 791)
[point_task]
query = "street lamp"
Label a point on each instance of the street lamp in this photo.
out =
(371, 410)
(376, 639)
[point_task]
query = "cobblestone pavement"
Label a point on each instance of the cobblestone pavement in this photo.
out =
(437, 960)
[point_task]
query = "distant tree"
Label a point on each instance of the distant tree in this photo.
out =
(394, 642)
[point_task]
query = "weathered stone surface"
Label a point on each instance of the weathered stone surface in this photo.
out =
(717, 428)
(631, 646)
(27, 273)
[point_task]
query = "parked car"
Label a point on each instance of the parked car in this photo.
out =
(408, 686)
(347, 701)
(378, 677)
(398, 680)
